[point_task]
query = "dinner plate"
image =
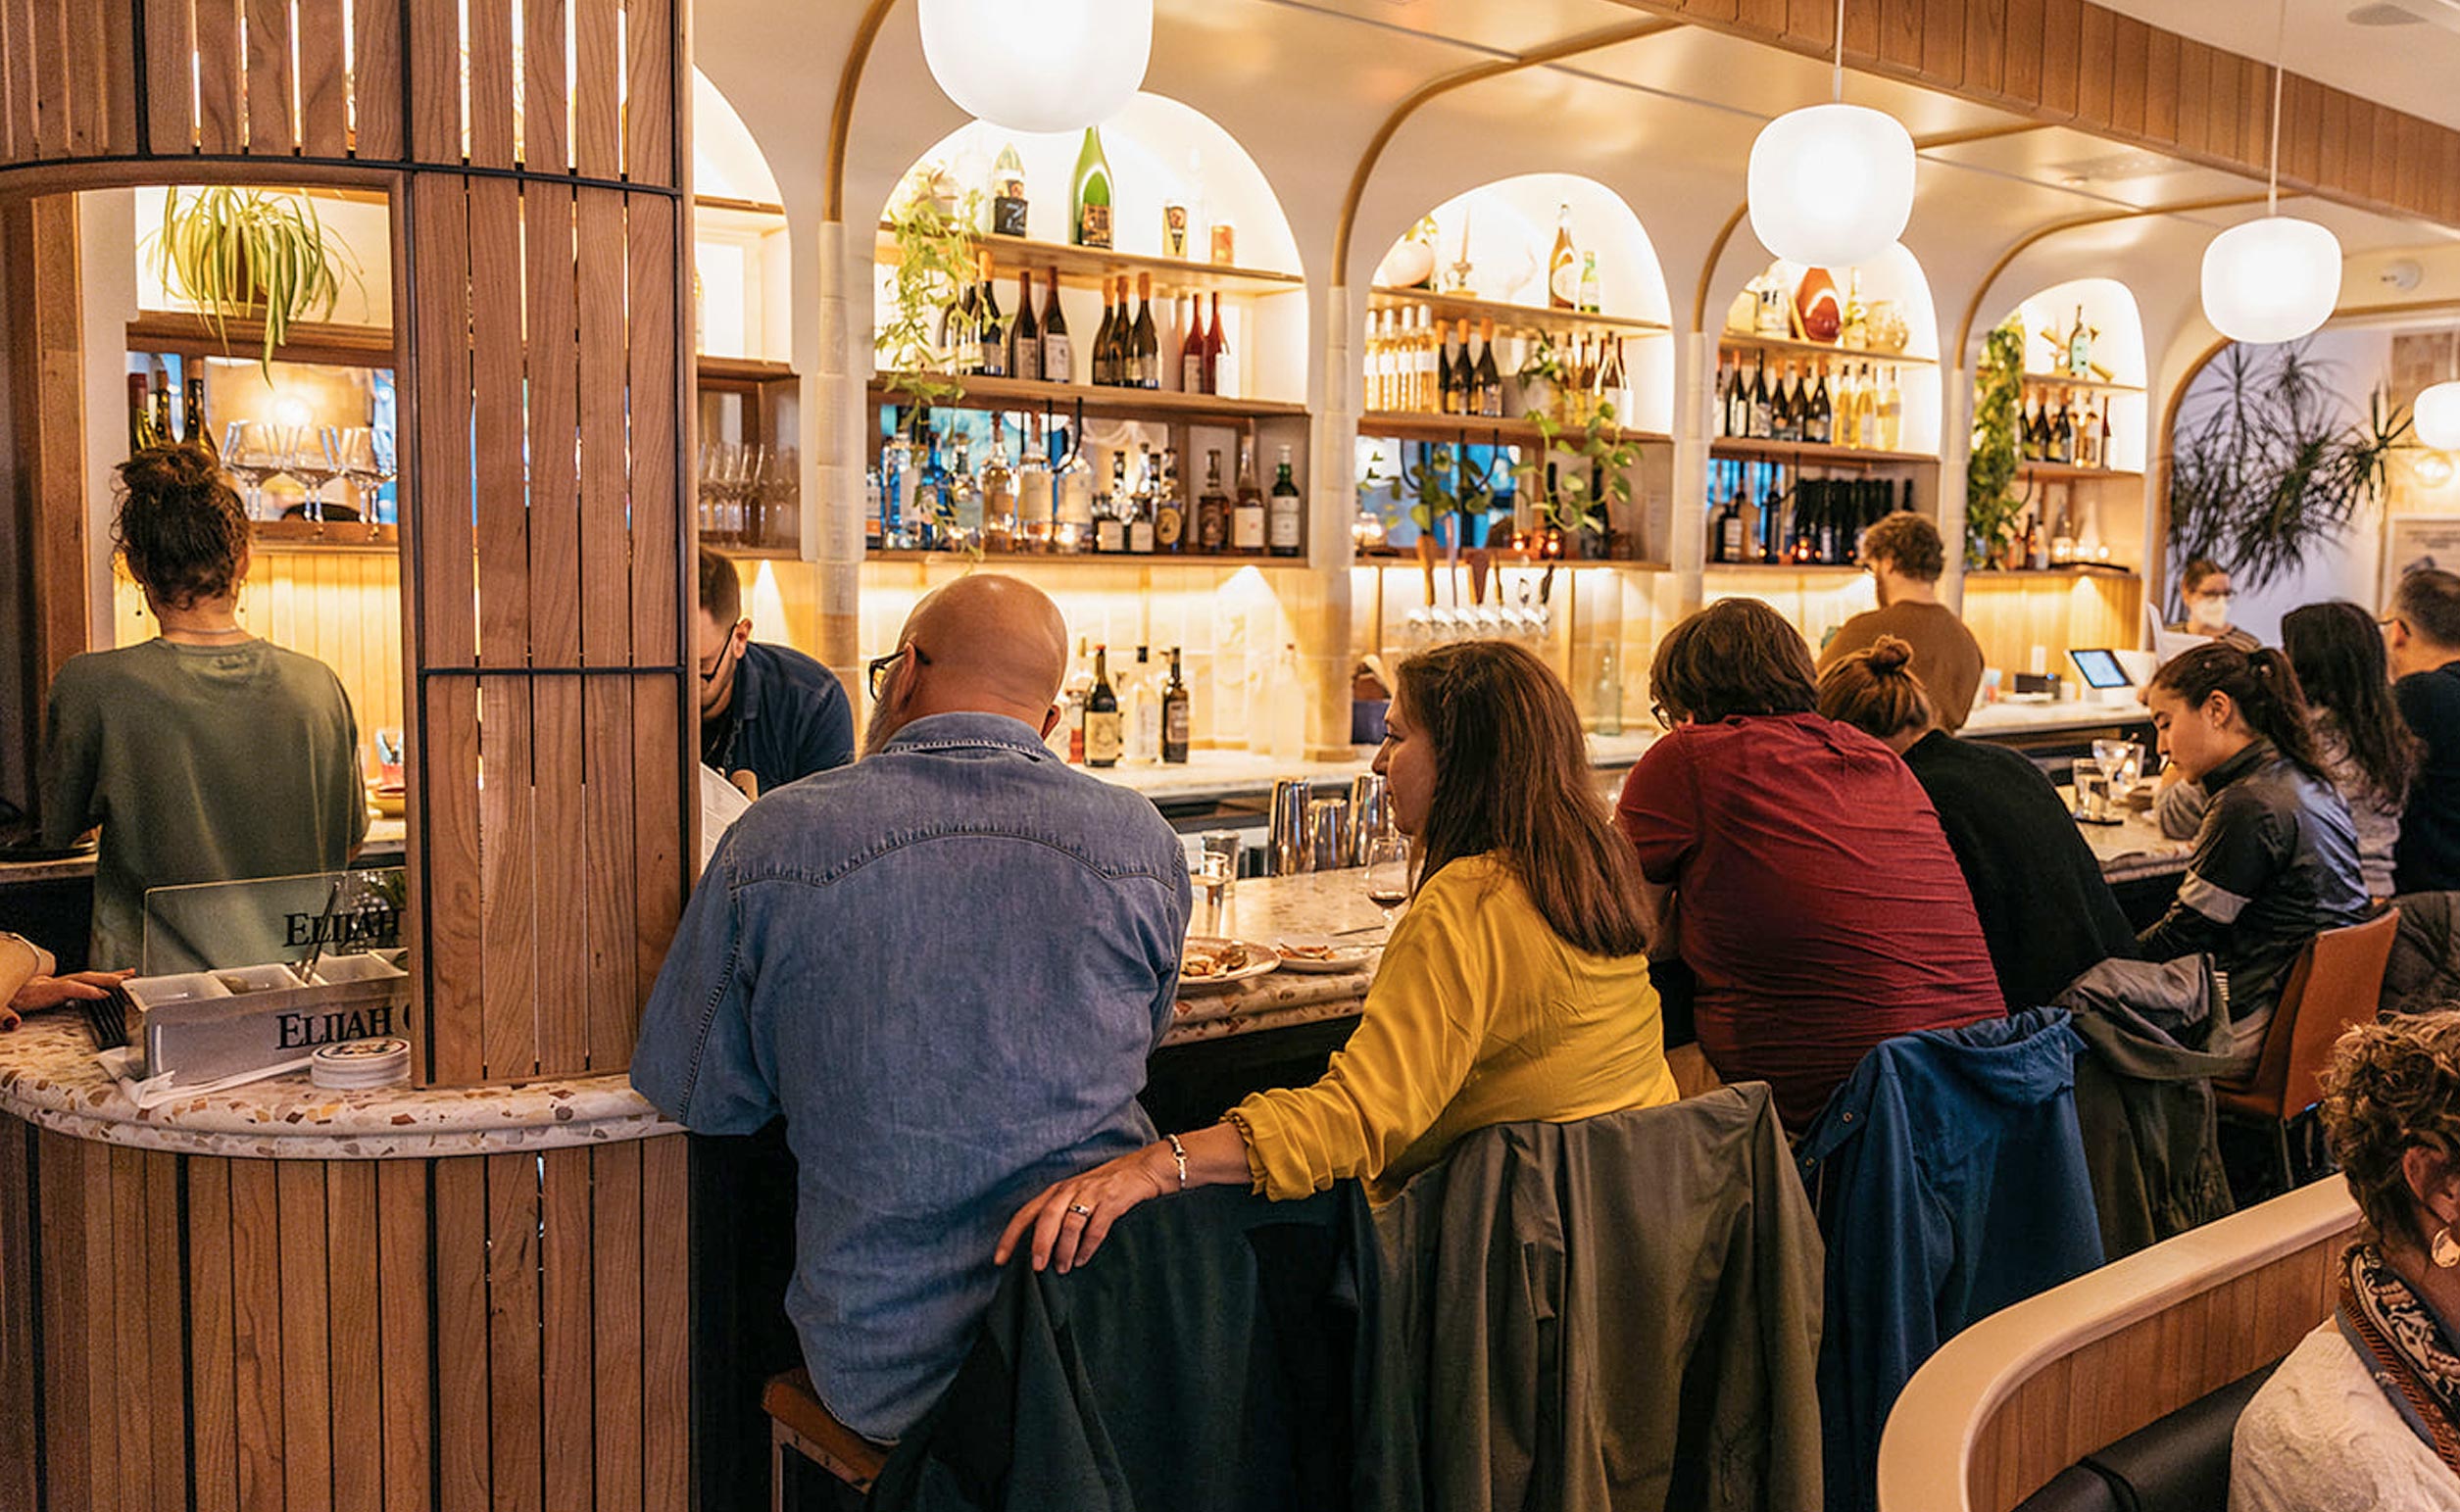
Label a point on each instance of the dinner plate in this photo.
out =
(1348, 954)
(1261, 958)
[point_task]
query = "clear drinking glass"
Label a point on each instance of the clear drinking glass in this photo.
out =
(249, 455)
(2122, 762)
(351, 452)
(1388, 874)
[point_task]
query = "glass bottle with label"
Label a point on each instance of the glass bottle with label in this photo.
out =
(1562, 265)
(1025, 333)
(1213, 510)
(1142, 505)
(1285, 514)
(1058, 362)
(1104, 735)
(1007, 193)
(1246, 516)
(1073, 488)
(1089, 196)
(1169, 511)
(1174, 715)
(1111, 517)
(1891, 412)
(1067, 737)
(999, 494)
(1145, 344)
(1144, 718)
(1035, 514)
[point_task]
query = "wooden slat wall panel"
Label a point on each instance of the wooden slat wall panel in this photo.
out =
(355, 1264)
(2161, 88)
(609, 905)
(2194, 96)
(166, 1339)
(617, 1260)
(567, 1293)
(490, 82)
(662, 824)
(171, 97)
(220, 70)
(403, 1249)
(2021, 80)
(665, 1324)
(1811, 24)
(83, 26)
(121, 1262)
(213, 1449)
(50, 46)
(435, 70)
(464, 1419)
(555, 599)
(376, 78)
(272, 132)
(508, 957)
(516, 1470)
(597, 103)
(545, 91)
(1943, 41)
(68, 1441)
(307, 1382)
(1986, 47)
(14, 60)
(1765, 17)
(648, 114)
(20, 1373)
(95, 1277)
(323, 79)
(120, 105)
(1900, 33)
(257, 1357)
(503, 514)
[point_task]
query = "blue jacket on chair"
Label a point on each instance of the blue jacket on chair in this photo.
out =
(1952, 1183)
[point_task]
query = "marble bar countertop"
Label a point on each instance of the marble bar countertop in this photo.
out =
(48, 1076)
(1217, 775)
(1264, 909)
(384, 845)
(2133, 850)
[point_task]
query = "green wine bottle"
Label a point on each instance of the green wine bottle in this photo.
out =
(1089, 200)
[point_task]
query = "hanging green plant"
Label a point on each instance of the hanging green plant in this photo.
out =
(238, 254)
(2268, 469)
(1569, 505)
(933, 228)
(1992, 503)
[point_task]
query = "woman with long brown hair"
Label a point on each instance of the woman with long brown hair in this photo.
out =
(1515, 988)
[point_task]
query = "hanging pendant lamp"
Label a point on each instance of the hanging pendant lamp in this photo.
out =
(1831, 185)
(1039, 65)
(2276, 278)
(2436, 413)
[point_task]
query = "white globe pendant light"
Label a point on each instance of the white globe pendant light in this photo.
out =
(2278, 278)
(1038, 65)
(2438, 413)
(1831, 185)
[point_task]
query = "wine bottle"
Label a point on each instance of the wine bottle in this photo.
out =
(1110, 521)
(1285, 513)
(1142, 505)
(1562, 265)
(1148, 349)
(1246, 516)
(1025, 333)
(1613, 379)
(991, 329)
(1451, 374)
(1215, 346)
(165, 435)
(1489, 379)
(1034, 499)
(1143, 723)
(1059, 361)
(140, 416)
(1007, 193)
(1763, 404)
(1089, 197)
(200, 427)
(1588, 295)
(1174, 715)
(1213, 510)
(1103, 735)
(1821, 426)
(1890, 414)
(1191, 357)
(1072, 495)
(1102, 339)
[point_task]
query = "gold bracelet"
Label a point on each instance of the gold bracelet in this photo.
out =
(1178, 1153)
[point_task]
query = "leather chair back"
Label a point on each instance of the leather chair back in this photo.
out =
(2336, 982)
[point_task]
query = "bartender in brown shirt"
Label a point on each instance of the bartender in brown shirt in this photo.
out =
(1906, 556)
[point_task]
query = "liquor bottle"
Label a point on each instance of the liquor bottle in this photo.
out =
(1283, 528)
(1213, 510)
(999, 503)
(196, 429)
(1221, 377)
(1104, 342)
(1144, 723)
(2063, 432)
(1067, 737)
(1035, 516)
(1169, 512)
(1174, 715)
(1058, 362)
(1073, 489)
(1191, 354)
(1588, 296)
(1103, 733)
(1771, 525)
(1025, 333)
(1821, 426)
(991, 329)
(1728, 540)
(1562, 265)
(1489, 385)
(1110, 512)
(930, 515)
(1736, 421)
(1147, 344)
(897, 489)
(969, 519)
(1451, 374)
(1007, 193)
(1613, 379)
(1089, 196)
(1142, 507)
(140, 416)
(1763, 425)
(1785, 415)
(1247, 516)
(164, 433)
(1891, 412)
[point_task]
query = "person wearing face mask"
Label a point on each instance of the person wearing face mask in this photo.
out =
(768, 713)
(1514, 990)
(2204, 587)
(2275, 854)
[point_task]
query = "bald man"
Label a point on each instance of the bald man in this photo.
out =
(946, 966)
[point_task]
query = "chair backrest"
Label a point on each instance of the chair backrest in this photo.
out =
(2336, 980)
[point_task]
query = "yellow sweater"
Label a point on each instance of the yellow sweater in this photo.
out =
(1479, 1015)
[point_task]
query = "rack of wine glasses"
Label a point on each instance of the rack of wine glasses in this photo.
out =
(750, 500)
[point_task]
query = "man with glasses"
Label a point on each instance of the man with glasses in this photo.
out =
(946, 966)
(768, 713)
(2421, 635)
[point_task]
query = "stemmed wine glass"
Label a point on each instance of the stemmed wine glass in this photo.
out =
(248, 454)
(2122, 762)
(1388, 873)
(351, 450)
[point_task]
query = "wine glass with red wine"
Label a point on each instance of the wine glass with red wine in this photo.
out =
(1388, 874)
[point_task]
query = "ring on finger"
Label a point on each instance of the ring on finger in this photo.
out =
(1079, 1210)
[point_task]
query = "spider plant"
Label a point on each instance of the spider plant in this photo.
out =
(236, 253)
(2267, 469)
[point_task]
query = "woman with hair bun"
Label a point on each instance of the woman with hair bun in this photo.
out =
(2276, 856)
(2045, 911)
(206, 755)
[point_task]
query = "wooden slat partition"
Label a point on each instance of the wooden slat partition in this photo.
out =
(21, 1369)
(271, 130)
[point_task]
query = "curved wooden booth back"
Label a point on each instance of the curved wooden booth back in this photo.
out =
(2024, 1394)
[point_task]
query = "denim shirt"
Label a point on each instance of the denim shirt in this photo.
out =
(946, 965)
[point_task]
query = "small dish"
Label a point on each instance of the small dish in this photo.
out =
(1224, 963)
(1320, 953)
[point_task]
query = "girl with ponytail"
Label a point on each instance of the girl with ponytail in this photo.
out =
(2276, 854)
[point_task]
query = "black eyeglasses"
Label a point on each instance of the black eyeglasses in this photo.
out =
(875, 671)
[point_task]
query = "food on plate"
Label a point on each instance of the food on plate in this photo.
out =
(1212, 961)
(1305, 952)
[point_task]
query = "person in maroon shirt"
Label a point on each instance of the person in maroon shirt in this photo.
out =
(1797, 864)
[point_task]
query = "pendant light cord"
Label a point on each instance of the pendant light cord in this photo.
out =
(1837, 78)
(2279, 55)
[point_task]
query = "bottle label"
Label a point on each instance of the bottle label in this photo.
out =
(1029, 359)
(1094, 229)
(1169, 527)
(1174, 725)
(1110, 537)
(1140, 537)
(1192, 374)
(1033, 499)
(1212, 526)
(1174, 230)
(1102, 737)
(1247, 529)
(1007, 214)
(1058, 364)
(1285, 525)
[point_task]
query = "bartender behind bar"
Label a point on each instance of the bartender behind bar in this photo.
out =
(206, 755)
(768, 713)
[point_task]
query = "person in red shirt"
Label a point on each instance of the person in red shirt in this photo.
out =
(1795, 865)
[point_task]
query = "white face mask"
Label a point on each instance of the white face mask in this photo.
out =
(2209, 613)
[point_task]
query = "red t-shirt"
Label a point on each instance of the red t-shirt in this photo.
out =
(1815, 897)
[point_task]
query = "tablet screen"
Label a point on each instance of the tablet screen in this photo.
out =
(2100, 668)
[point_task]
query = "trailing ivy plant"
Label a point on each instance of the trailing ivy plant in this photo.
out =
(935, 261)
(1597, 444)
(237, 252)
(2267, 469)
(1991, 503)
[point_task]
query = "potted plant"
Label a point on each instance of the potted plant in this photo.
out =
(1991, 503)
(237, 252)
(1595, 444)
(933, 228)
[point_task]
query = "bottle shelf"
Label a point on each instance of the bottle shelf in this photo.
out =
(2066, 569)
(1084, 267)
(1753, 447)
(1389, 560)
(1072, 560)
(2040, 380)
(1795, 568)
(753, 553)
(191, 336)
(278, 536)
(1129, 404)
(740, 370)
(1476, 430)
(1740, 341)
(1463, 306)
(2059, 471)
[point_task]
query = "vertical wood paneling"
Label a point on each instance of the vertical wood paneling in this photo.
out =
(212, 1345)
(375, 84)
(508, 957)
(403, 1250)
(596, 93)
(665, 1290)
(555, 577)
(272, 132)
(606, 626)
(2332, 135)
(2021, 77)
(68, 1439)
(661, 825)
(2096, 61)
(307, 1381)
(435, 90)
(2224, 110)
(462, 1417)
(564, 1335)
(648, 114)
(1900, 33)
(516, 1471)
(1943, 41)
(171, 98)
(20, 1373)
(615, 1253)
(545, 91)
(2131, 40)
(15, 58)
(1812, 25)
(2062, 39)
(1764, 17)
(2254, 114)
(2161, 88)
(1861, 32)
(2385, 167)
(358, 1279)
(2301, 131)
(490, 82)
(114, 1479)
(323, 79)
(561, 861)
(2194, 97)
(256, 1355)
(1986, 47)
(136, 1393)
(120, 105)
(52, 77)
(502, 515)
(82, 25)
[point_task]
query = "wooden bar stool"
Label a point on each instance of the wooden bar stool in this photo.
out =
(2336, 982)
(798, 1422)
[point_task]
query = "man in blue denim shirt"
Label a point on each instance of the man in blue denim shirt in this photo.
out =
(946, 965)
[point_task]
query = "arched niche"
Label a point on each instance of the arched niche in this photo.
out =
(2115, 380)
(1894, 279)
(1492, 245)
(742, 261)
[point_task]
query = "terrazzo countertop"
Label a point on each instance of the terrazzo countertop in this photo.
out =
(48, 1076)
(1264, 909)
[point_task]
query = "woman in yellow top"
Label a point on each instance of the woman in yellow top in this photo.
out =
(1515, 988)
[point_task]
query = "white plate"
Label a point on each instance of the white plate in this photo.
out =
(1261, 958)
(1348, 954)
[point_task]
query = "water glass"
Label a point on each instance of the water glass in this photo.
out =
(1388, 874)
(2122, 762)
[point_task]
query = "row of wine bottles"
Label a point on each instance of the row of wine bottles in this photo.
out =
(1182, 352)
(1861, 410)
(1137, 718)
(1818, 522)
(150, 420)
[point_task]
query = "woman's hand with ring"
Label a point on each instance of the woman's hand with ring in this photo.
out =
(1071, 1218)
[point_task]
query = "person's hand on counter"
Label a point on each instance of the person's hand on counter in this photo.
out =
(50, 992)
